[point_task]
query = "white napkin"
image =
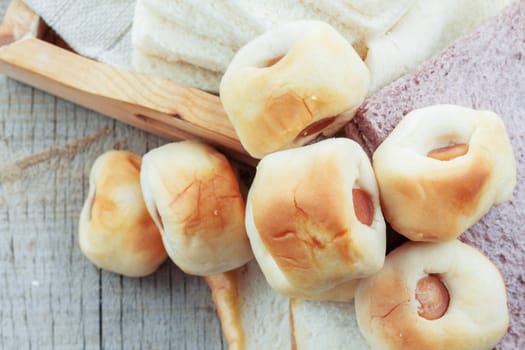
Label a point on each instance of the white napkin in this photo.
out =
(100, 29)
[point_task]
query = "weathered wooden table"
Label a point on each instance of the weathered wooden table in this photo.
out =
(50, 295)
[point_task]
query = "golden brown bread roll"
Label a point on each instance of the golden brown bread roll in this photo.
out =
(433, 296)
(292, 83)
(116, 231)
(441, 170)
(314, 220)
(193, 196)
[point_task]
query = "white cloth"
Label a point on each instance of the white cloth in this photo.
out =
(99, 29)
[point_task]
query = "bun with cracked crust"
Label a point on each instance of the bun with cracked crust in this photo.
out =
(441, 169)
(116, 232)
(291, 84)
(193, 196)
(433, 296)
(314, 221)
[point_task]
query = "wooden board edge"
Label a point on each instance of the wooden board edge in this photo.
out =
(19, 41)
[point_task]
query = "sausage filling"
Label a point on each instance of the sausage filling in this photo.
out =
(363, 206)
(448, 152)
(272, 61)
(433, 297)
(316, 127)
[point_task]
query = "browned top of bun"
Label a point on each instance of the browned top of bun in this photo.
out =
(116, 231)
(298, 224)
(302, 222)
(110, 212)
(193, 194)
(463, 190)
(204, 200)
(475, 317)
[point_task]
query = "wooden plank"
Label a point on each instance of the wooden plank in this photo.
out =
(52, 297)
(49, 290)
(167, 310)
(159, 106)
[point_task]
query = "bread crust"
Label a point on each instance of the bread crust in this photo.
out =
(300, 216)
(116, 231)
(317, 75)
(427, 199)
(193, 195)
(305, 223)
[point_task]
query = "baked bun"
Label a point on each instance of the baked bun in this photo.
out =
(433, 296)
(441, 169)
(314, 221)
(116, 232)
(291, 84)
(193, 196)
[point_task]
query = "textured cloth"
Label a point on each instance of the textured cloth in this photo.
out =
(98, 29)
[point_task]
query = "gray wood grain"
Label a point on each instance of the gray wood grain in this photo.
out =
(51, 297)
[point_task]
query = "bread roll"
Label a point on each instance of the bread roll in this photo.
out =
(116, 232)
(314, 221)
(291, 84)
(433, 296)
(441, 169)
(193, 196)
